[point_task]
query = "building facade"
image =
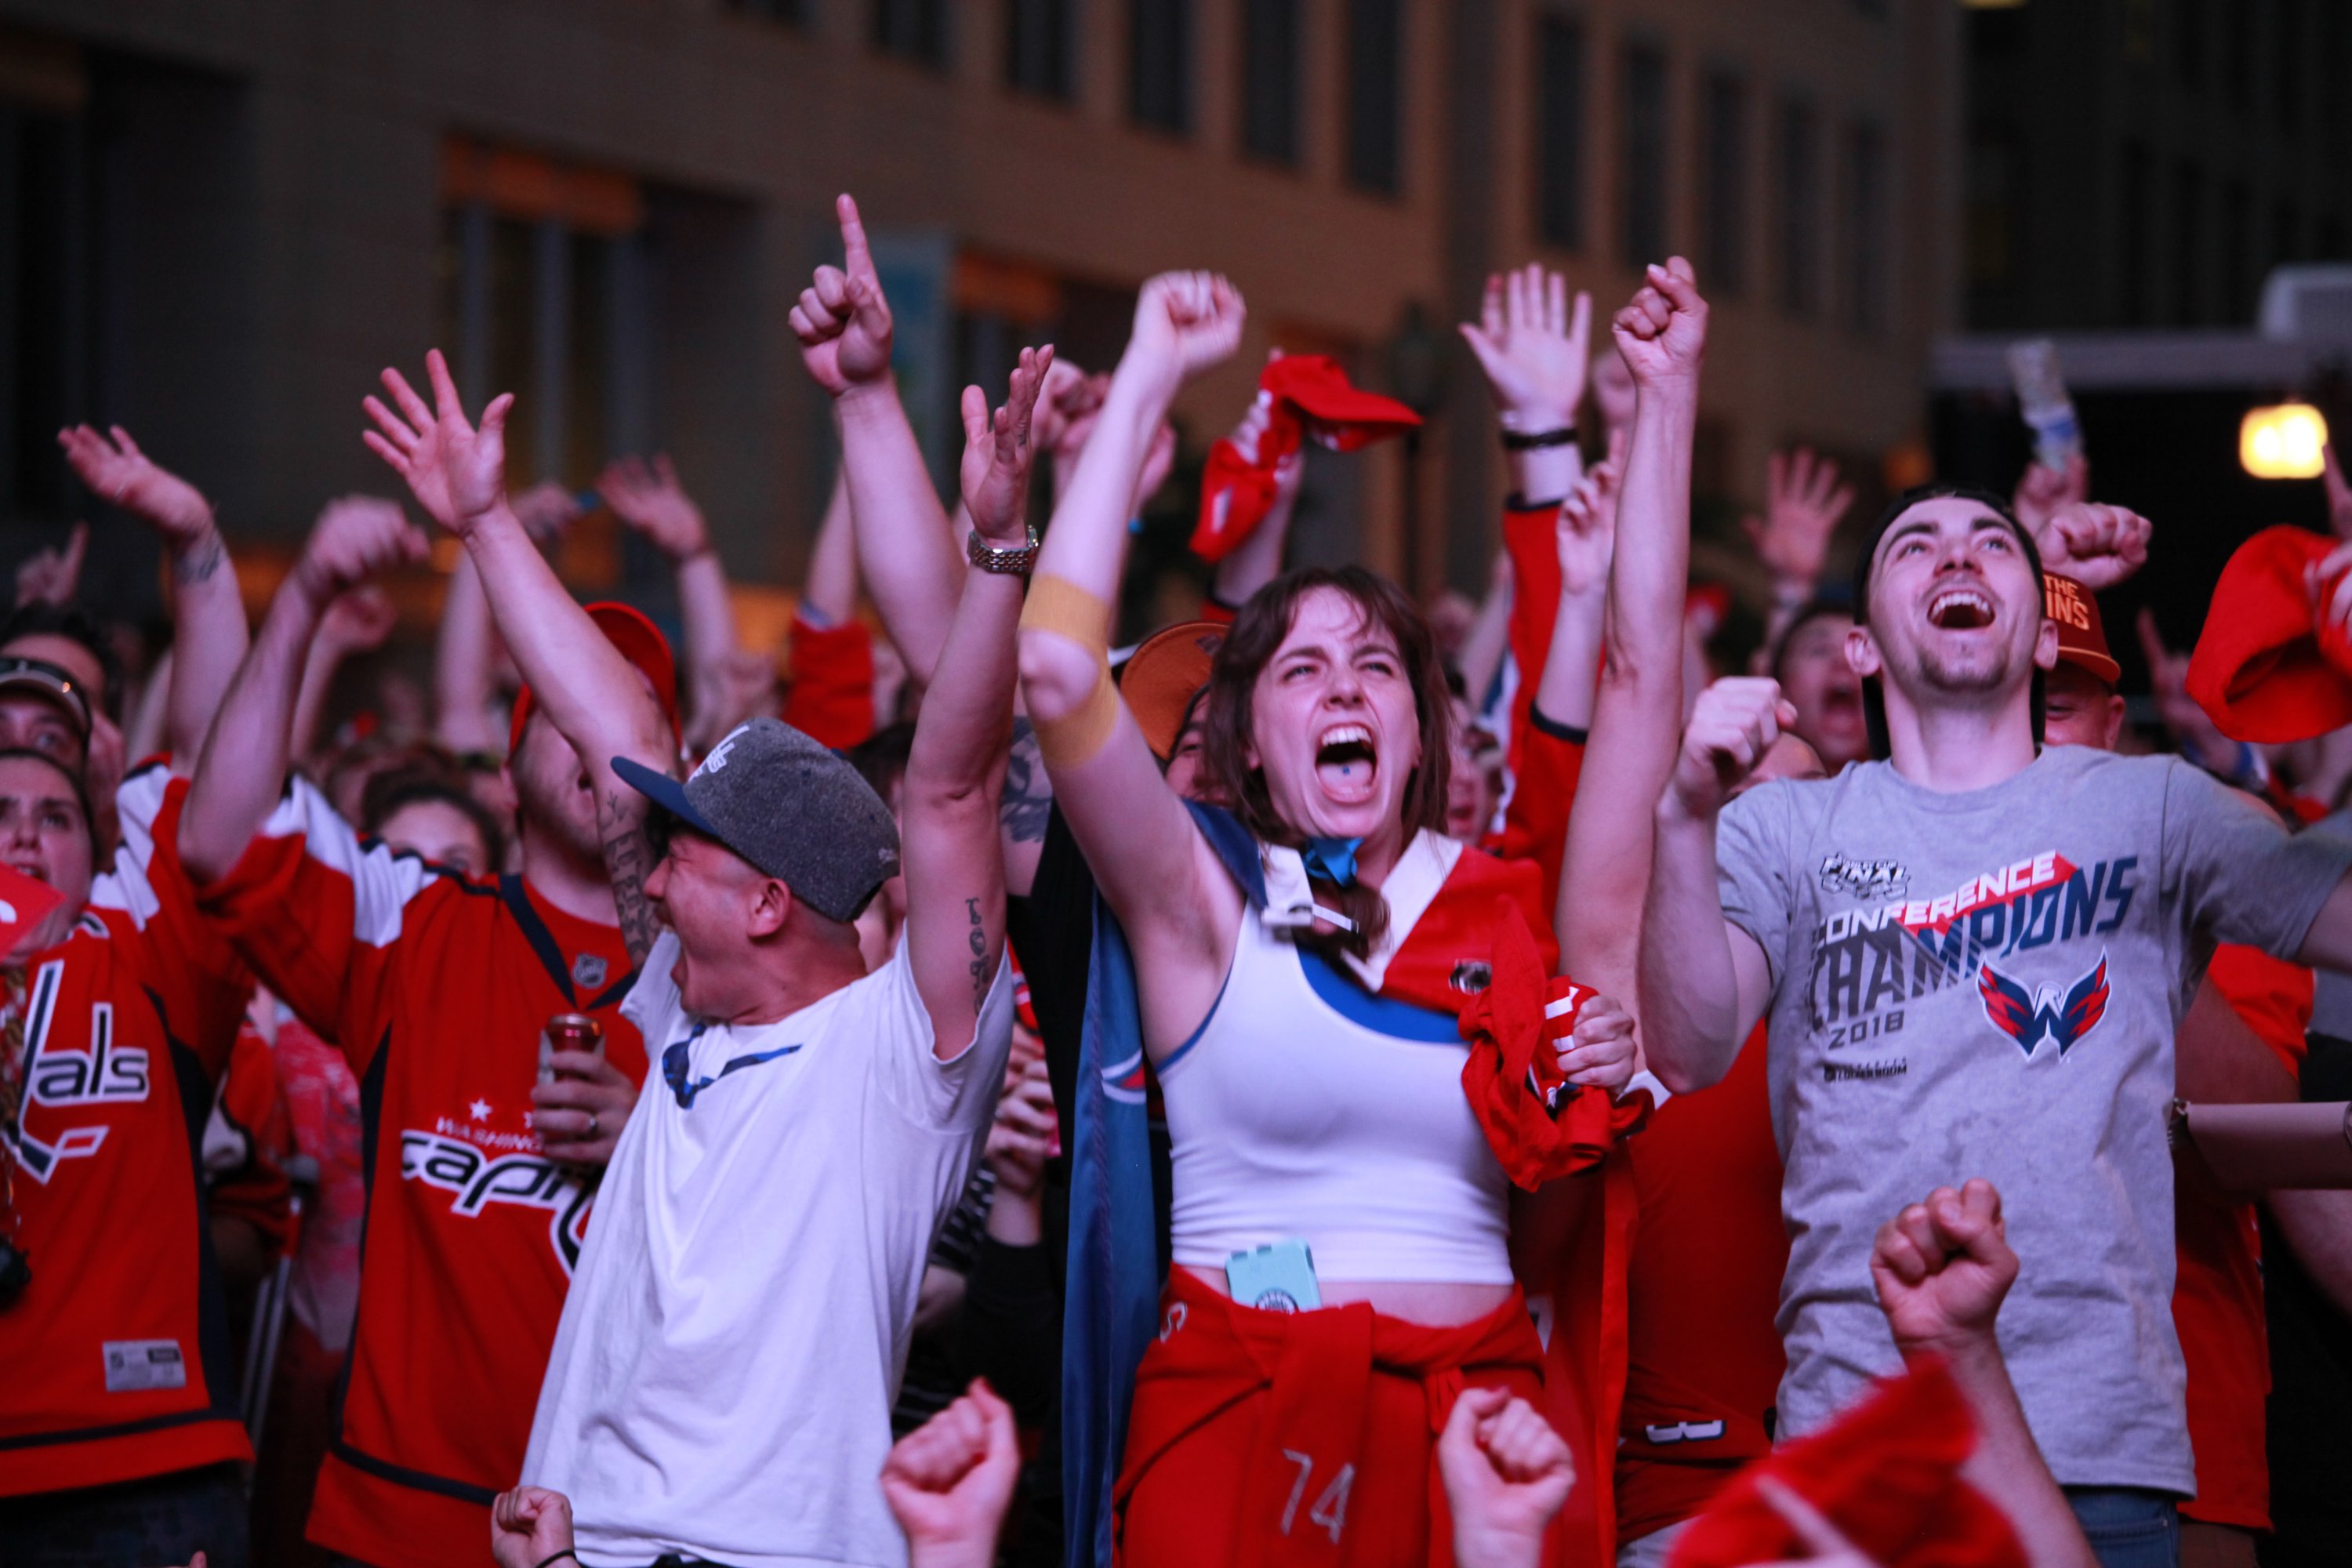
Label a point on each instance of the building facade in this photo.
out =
(220, 220)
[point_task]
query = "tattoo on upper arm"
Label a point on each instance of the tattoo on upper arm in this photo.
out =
(1028, 793)
(628, 857)
(980, 965)
(199, 563)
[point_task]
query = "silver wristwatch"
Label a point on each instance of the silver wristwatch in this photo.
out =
(1013, 562)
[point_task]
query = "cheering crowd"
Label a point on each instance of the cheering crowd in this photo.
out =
(1334, 1081)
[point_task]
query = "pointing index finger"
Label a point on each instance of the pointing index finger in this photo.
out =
(857, 256)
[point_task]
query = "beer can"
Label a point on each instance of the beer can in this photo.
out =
(568, 1032)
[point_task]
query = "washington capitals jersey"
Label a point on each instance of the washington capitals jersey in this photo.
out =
(115, 1360)
(437, 989)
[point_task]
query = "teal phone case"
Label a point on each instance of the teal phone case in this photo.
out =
(1278, 1278)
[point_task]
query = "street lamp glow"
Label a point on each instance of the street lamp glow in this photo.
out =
(2283, 442)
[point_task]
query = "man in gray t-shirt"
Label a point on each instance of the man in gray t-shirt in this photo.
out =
(1973, 956)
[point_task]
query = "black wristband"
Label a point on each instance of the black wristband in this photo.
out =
(1514, 441)
(558, 1557)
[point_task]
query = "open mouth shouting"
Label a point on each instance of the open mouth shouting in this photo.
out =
(1346, 762)
(1960, 608)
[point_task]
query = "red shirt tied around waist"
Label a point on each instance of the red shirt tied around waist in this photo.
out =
(437, 989)
(116, 1358)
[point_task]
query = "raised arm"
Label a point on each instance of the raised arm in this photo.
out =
(1805, 496)
(208, 630)
(1638, 709)
(593, 696)
(1151, 862)
(649, 498)
(357, 622)
(1942, 1268)
(1534, 347)
(1703, 982)
(1258, 559)
(911, 563)
(955, 772)
(246, 758)
(829, 596)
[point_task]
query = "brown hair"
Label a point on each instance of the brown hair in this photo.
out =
(1226, 722)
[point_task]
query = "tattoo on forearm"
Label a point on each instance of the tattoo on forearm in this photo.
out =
(980, 966)
(1028, 793)
(627, 858)
(199, 563)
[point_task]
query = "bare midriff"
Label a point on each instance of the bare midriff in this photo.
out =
(1433, 1303)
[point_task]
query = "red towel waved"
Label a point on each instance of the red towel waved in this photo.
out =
(1886, 1474)
(2264, 670)
(1303, 1440)
(1540, 1126)
(1308, 394)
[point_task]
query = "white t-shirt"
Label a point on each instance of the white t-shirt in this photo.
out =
(721, 1381)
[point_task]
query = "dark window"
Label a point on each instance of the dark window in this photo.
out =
(912, 29)
(2237, 238)
(2237, 42)
(2189, 42)
(792, 13)
(1866, 226)
(1559, 132)
(1159, 64)
(1797, 199)
(2131, 260)
(1723, 183)
(2286, 46)
(1375, 93)
(1642, 200)
(2329, 245)
(1270, 80)
(1037, 47)
(2286, 233)
(2335, 62)
(1996, 162)
(2188, 244)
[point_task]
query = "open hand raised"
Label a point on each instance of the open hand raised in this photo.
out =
(119, 472)
(355, 537)
(1534, 347)
(458, 473)
(997, 452)
(649, 498)
(1805, 497)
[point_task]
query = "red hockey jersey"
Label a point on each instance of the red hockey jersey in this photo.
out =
(437, 989)
(116, 1360)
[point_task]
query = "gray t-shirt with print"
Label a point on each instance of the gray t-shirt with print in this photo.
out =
(1986, 985)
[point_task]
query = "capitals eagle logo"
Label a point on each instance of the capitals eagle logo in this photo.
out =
(2030, 1018)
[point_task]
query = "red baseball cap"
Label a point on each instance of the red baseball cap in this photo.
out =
(2263, 669)
(642, 644)
(2074, 609)
(1349, 416)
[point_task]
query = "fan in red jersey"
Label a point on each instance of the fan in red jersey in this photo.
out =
(437, 989)
(121, 1404)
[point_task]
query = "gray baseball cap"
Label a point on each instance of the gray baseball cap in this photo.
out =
(788, 805)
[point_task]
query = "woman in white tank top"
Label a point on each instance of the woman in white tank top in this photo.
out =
(1303, 1105)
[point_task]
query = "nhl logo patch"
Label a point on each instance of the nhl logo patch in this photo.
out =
(588, 971)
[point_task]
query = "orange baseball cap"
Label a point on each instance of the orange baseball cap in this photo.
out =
(2082, 634)
(642, 644)
(1162, 676)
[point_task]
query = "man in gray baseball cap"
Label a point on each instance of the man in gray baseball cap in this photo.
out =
(721, 1380)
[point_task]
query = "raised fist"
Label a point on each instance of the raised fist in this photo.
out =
(842, 320)
(1733, 726)
(1506, 1476)
(355, 539)
(950, 1481)
(1184, 324)
(458, 473)
(2097, 545)
(1942, 1267)
(528, 1525)
(1662, 335)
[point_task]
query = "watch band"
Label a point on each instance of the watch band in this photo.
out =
(1015, 561)
(1513, 441)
